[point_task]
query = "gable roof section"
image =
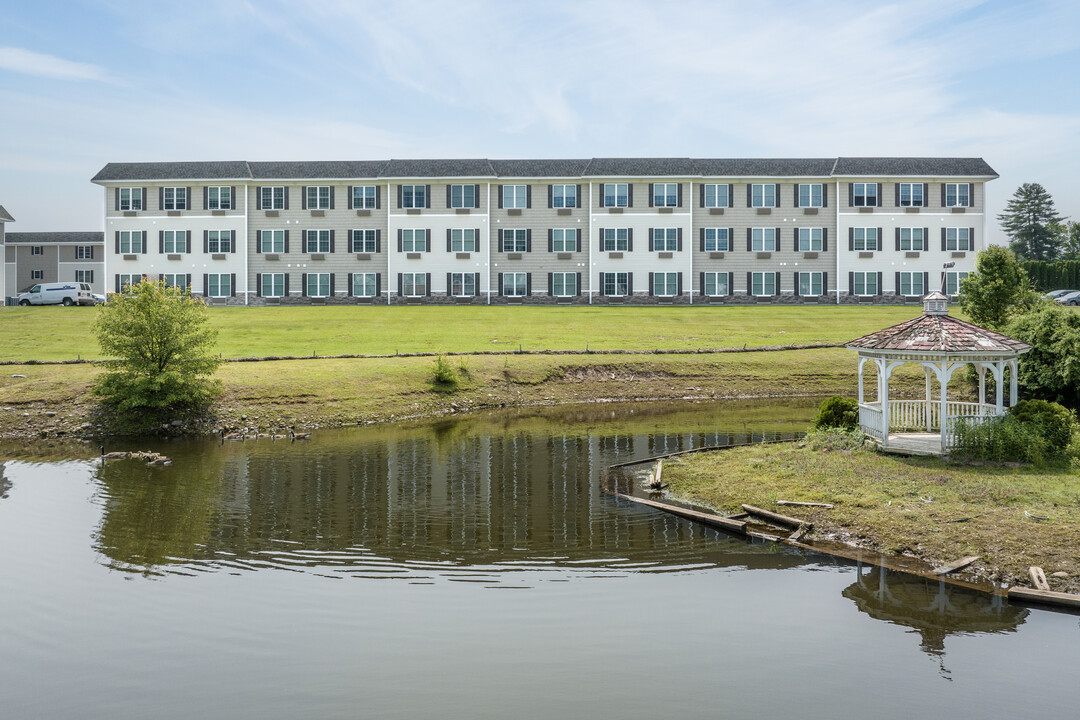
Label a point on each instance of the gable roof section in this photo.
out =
(438, 168)
(939, 334)
(539, 168)
(5, 216)
(312, 170)
(765, 167)
(224, 170)
(640, 167)
(911, 166)
(55, 238)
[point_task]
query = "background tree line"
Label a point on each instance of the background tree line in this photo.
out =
(1036, 231)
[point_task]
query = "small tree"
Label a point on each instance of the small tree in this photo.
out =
(1027, 219)
(998, 289)
(164, 346)
(1051, 369)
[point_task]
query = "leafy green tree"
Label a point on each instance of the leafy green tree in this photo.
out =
(165, 349)
(1051, 369)
(1027, 220)
(998, 289)
(1068, 239)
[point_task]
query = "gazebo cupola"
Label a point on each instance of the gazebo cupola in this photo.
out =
(941, 344)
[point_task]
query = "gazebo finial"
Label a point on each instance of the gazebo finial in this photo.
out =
(935, 303)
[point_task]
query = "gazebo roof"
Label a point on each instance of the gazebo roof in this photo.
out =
(933, 332)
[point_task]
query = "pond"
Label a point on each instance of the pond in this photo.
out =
(470, 567)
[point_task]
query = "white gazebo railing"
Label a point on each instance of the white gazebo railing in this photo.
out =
(923, 416)
(951, 435)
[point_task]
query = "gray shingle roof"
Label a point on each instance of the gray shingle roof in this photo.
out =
(438, 168)
(640, 167)
(317, 169)
(54, 238)
(5, 216)
(765, 167)
(540, 168)
(224, 170)
(878, 166)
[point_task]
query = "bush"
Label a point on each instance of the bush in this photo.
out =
(1054, 422)
(444, 377)
(838, 412)
(835, 439)
(1034, 431)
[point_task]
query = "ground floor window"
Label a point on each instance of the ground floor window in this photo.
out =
(176, 280)
(665, 284)
(615, 284)
(414, 284)
(124, 281)
(564, 284)
(86, 276)
(318, 284)
(911, 283)
(273, 285)
(810, 284)
(763, 284)
(952, 282)
(864, 283)
(463, 284)
(515, 284)
(716, 284)
(219, 285)
(365, 285)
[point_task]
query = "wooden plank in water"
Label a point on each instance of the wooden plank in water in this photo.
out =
(955, 565)
(1038, 578)
(737, 526)
(798, 534)
(659, 473)
(800, 503)
(1048, 597)
(775, 517)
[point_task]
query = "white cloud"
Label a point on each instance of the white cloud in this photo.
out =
(28, 62)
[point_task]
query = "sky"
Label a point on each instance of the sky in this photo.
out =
(84, 83)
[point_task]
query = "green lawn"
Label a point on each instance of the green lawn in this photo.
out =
(58, 333)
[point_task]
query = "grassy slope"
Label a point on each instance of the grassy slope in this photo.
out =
(882, 502)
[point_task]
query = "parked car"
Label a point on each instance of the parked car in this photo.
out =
(99, 299)
(1055, 294)
(62, 293)
(1072, 298)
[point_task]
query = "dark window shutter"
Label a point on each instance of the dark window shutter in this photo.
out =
(943, 195)
(925, 282)
(142, 241)
(187, 241)
(378, 240)
(897, 288)
(796, 284)
(448, 205)
(651, 242)
(206, 197)
(378, 286)
(500, 285)
(679, 201)
(776, 288)
(601, 289)
(943, 239)
(399, 207)
(476, 196)
(116, 199)
(303, 206)
(701, 283)
(528, 240)
(971, 237)
(551, 192)
(427, 240)
(824, 195)
(303, 284)
(630, 283)
(551, 240)
(851, 283)
(651, 282)
(399, 239)
(578, 284)
(206, 241)
(970, 202)
(777, 243)
(749, 283)
(824, 283)
(427, 197)
(678, 235)
(749, 239)
(880, 290)
(206, 285)
(528, 196)
(776, 199)
(502, 241)
(449, 285)
(851, 194)
(378, 206)
(161, 198)
(286, 198)
(749, 195)
(897, 238)
(349, 289)
(399, 281)
(926, 194)
(258, 285)
(825, 240)
(925, 238)
(258, 241)
(551, 283)
(879, 192)
(528, 283)
(476, 284)
(651, 186)
(500, 193)
(286, 241)
(161, 241)
(232, 240)
(731, 283)
(331, 241)
(331, 207)
(896, 187)
(629, 194)
(349, 199)
(630, 240)
(701, 239)
(286, 284)
(232, 284)
(232, 197)
(731, 195)
(578, 200)
(701, 195)
(797, 186)
(117, 283)
(448, 242)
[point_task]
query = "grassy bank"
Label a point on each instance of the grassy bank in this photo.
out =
(915, 506)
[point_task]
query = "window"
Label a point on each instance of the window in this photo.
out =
(910, 195)
(413, 196)
(810, 195)
(219, 285)
(515, 284)
(864, 283)
(616, 195)
(37, 250)
(515, 196)
(716, 284)
(665, 239)
(84, 252)
(957, 195)
(318, 197)
(912, 239)
(952, 282)
(272, 198)
(364, 197)
(174, 198)
(463, 196)
(273, 284)
(37, 274)
(864, 194)
(665, 284)
(125, 281)
(318, 241)
(810, 283)
(363, 241)
(958, 239)
(85, 276)
(564, 240)
(564, 196)
(318, 284)
(272, 241)
(463, 240)
(463, 284)
(716, 196)
(130, 242)
(616, 240)
(715, 240)
(515, 240)
(763, 240)
(130, 199)
(810, 240)
(364, 285)
(413, 284)
(173, 241)
(219, 198)
(616, 284)
(763, 283)
(911, 283)
(413, 240)
(865, 239)
(176, 280)
(763, 195)
(665, 194)
(218, 241)
(564, 284)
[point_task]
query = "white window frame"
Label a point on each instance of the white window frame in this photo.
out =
(665, 239)
(364, 197)
(84, 276)
(364, 284)
(616, 284)
(863, 193)
(613, 198)
(810, 284)
(463, 285)
(458, 196)
(176, 280)
(867, 278)
(219, 241)
(811, 195)
(564, 240)
(717, 240)
(321, 285)
(463, 240)
(274, 289)
(273, 197)
(317, 242)
(272, 241)
(763, 239)
(865, 243)
(174, 242)
(956, 243)
(561, 281)
(763, 284)
(318, 197)
(616, 240)
(131, 198)
(515, 284)
(713, 193)
(908, 279)
(84, 252)
(908, 192)
(763, 195)
(810, 239)
(37, 250)
(414, 197)
(129, 280)
(410, 282)
(953, 280)
(662, 195)
(515, 197)
(515, 240)
(366, 242)
(716, 280)
(414, 240)
(953, 194)
(37, 274)
(175, 198)
(665, 284)
(215, 283)
(908, 241)
(132, 240)
(219, 197)
(564, 196)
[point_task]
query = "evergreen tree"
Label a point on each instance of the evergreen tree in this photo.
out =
(1027, 221)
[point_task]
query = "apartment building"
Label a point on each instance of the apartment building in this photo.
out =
(587, 231)
(37, 257)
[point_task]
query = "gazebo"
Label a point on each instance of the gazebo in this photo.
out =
(942, 345)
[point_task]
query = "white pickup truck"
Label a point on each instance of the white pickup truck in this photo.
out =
(65, 293)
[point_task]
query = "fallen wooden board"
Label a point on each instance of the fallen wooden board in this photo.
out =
(798, 534)
(737, 526)
(955, 565)
(1048, 597)
(775, 517)
(800, 503)
(1038, 578)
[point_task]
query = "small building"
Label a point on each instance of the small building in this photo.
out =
(941, 345)
(37, 257)
(5, 217)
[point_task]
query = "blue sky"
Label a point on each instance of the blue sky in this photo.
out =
(86, 83)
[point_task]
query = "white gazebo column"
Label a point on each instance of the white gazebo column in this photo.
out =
(883, 398)
(942, 372)
(998, 369)
(862, 361)
(981, 369)
(929, 399)
(1013, 366)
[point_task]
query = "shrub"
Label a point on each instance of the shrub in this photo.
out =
(1054, 422)
(835, 439)
(444, 377)
(838, 412)
(1011, 438)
